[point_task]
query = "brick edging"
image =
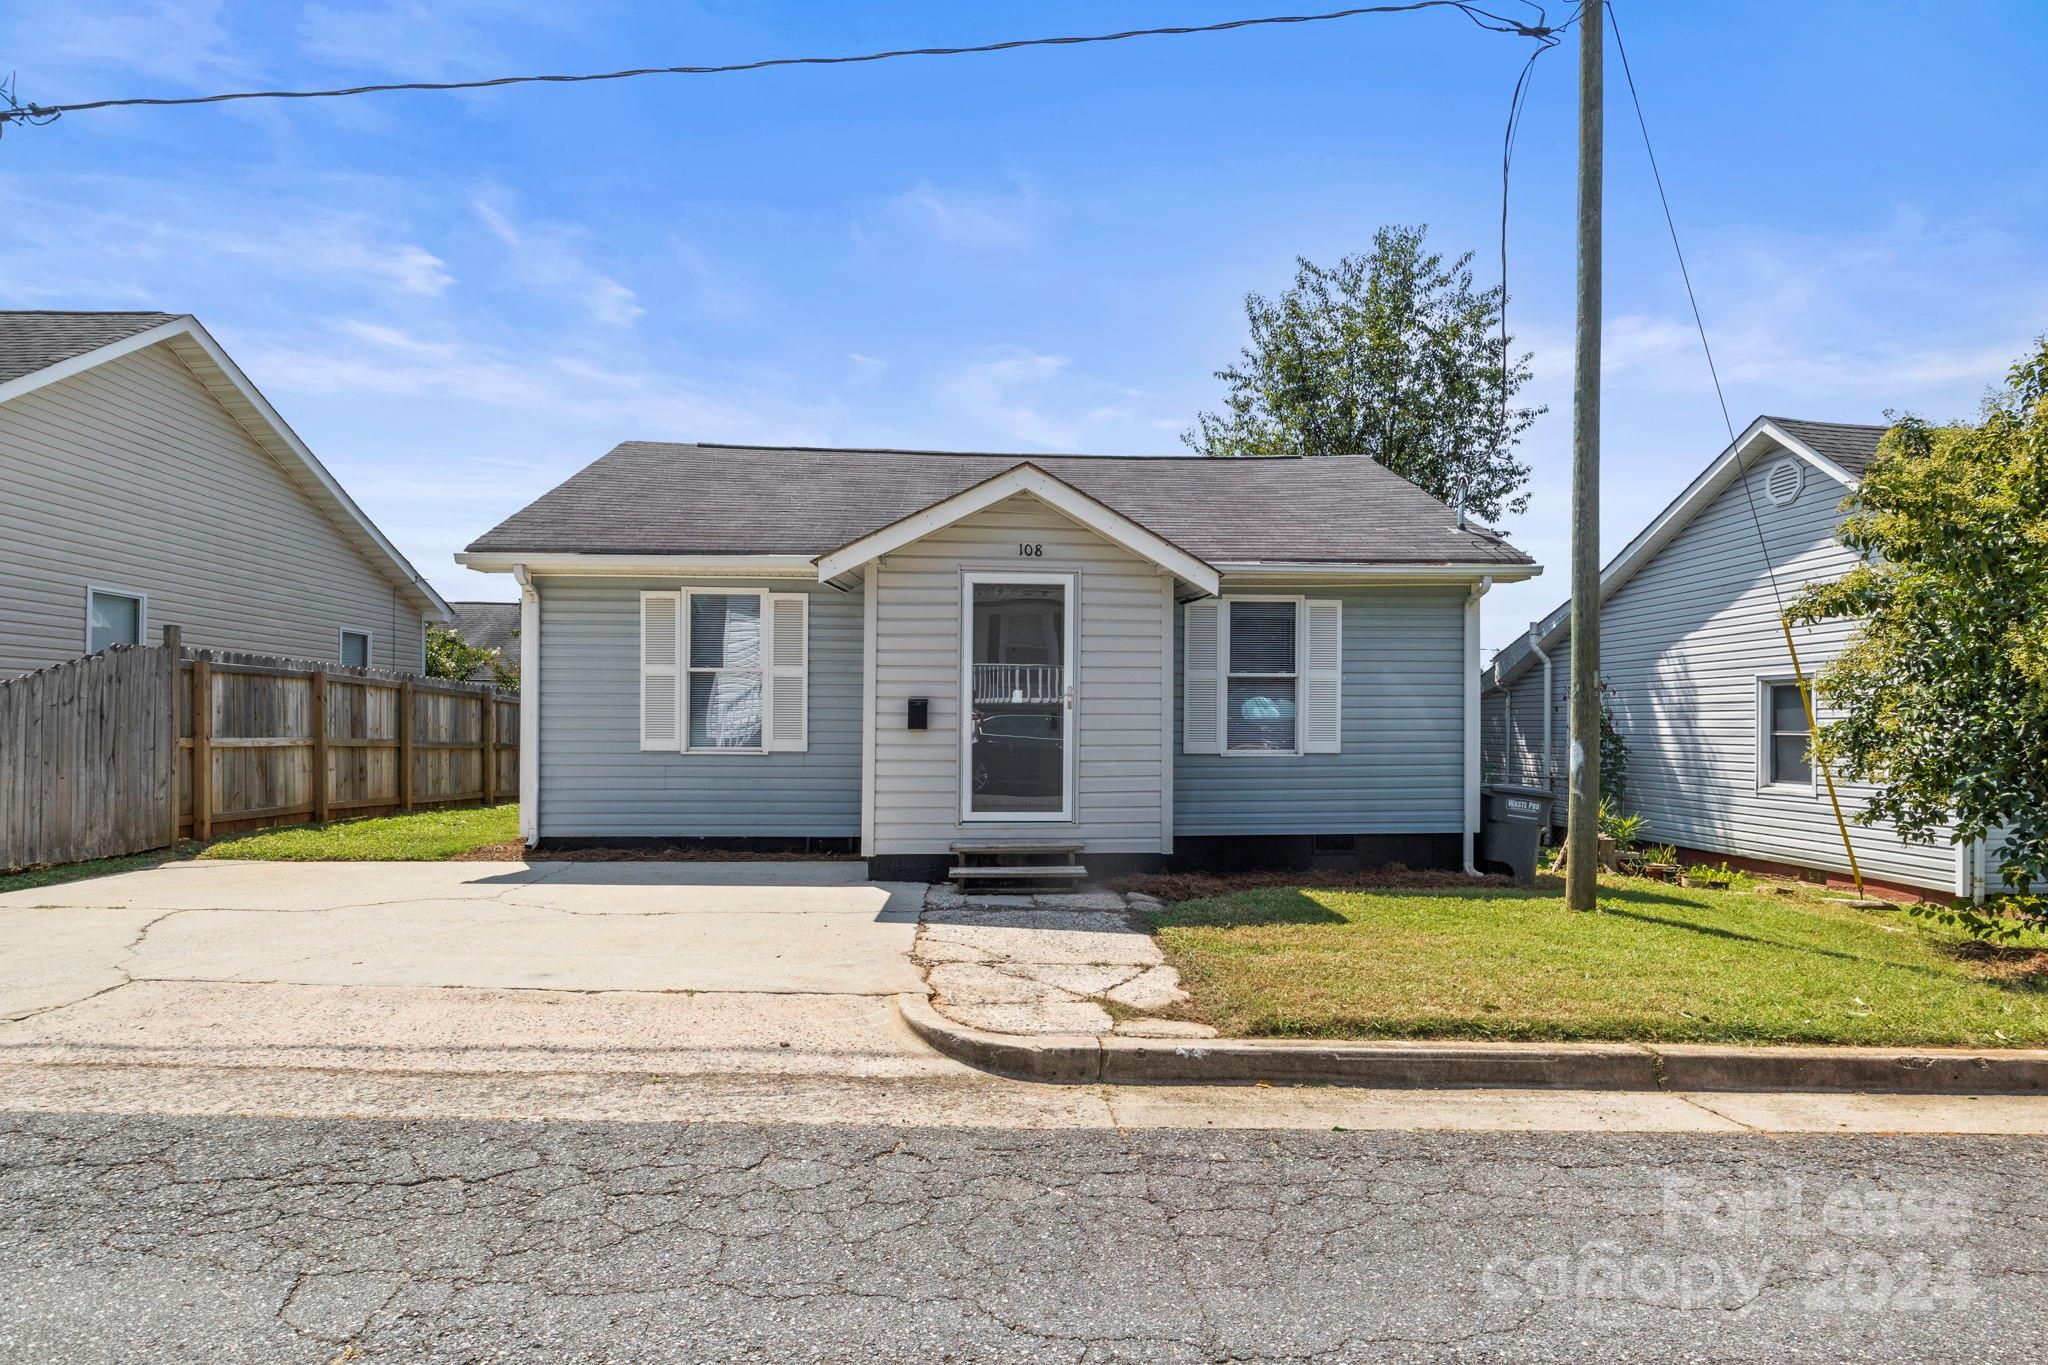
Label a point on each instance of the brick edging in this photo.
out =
(1476, 1065)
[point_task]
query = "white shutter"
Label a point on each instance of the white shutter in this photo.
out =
(1202, 679)
(660, 626)
(789, 658)
(1322, 676)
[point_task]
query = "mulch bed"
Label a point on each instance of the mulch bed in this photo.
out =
(1194, 886)
(513, 851)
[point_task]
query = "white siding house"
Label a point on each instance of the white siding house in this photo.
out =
(145, 483)
(1699, 679)
(902, 653)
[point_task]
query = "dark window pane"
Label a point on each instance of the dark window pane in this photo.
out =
(1262, 637)
(355, 649)
(115, 621)
(725, 631)
(1788, 712)
(725, 710)
(1788, 760)
(1260, 714)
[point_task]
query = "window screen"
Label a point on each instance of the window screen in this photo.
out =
(355, 649)
(725, 671)
(112, 618)
(1259, 693)
(1787, 752)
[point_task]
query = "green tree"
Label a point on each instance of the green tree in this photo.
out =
(1392, 354)
(451, 656)
(1944, 689)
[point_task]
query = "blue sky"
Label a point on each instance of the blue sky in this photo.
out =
(459, 300)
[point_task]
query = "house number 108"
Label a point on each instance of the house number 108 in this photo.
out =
(1031, 551)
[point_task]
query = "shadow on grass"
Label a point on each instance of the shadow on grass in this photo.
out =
(1247, 910)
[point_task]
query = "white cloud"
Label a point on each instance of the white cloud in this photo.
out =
(550, 256)
(963, 218)
(181, 41)
(414, 40)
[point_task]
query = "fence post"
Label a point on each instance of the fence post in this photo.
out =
(405, 726)
(320, 794)
(202, 746)
(174, 641)
(489, 731)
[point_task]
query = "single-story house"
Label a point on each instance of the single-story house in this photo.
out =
(144, 482)
(917, 655)
(1698, 679)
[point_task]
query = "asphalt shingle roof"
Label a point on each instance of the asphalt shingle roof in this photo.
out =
(489, 625)
(658, 498)
(35, 340)
(1852, 445)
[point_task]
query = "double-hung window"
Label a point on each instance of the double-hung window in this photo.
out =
(112, 618)
(1786, 738)
(725, 670)
(1260, 690)
(1263, 675)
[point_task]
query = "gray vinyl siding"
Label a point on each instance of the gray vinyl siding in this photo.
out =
(130, 476)
(1511, 738)
(1683, 645)
(1119, 718)
(1402, 767)
(596, 781)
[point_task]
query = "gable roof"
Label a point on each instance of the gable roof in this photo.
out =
(35, 339)
(652, 498)
(54, 346)
(1851, 443)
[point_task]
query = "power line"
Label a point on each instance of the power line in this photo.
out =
(1756, 520)
(1484, 18)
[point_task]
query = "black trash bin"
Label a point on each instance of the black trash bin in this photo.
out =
(1512, 827)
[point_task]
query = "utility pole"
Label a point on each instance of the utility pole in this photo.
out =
(1582, 835)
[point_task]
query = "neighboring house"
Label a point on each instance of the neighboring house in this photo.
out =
(489, 625)
(897, 652)
(144, 482)
(1699, 681)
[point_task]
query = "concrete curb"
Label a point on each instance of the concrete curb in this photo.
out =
(1511, 1066)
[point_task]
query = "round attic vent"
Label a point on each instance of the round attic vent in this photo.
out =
(1784, 481)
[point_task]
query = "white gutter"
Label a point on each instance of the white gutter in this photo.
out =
(1472, 795)
(1549, 704)
(643, 566)
(529, 707)
(1408, 573)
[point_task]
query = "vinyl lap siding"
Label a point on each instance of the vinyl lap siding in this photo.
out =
(597, 782)
(1118, 718)
(130, 476)
(1402, 766)
(1683, 643)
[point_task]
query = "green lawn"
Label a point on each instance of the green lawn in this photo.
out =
(421, 836)
(1655, 963)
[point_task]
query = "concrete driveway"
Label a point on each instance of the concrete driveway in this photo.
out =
(673, 969)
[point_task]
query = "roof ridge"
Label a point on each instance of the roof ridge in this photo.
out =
(994, 454)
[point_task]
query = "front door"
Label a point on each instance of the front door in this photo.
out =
(1016, 672)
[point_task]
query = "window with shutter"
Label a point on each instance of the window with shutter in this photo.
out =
(725, 654)
(789, 671)
(1201, 679)
(660, 622)
(1322, 705)
(1261, 712)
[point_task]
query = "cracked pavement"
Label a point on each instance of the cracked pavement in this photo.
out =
(492, 1112)
(243, 1239)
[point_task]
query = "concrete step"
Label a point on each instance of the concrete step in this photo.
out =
(1020, 873)
(993, 849)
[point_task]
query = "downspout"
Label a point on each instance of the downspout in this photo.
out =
(1472, 723)
(529, 706)
(1549, 705)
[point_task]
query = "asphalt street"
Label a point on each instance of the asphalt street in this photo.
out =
(229, 1239)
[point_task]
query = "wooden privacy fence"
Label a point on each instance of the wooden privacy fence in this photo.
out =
(133, 748)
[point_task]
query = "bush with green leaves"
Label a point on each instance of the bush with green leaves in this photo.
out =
(1943, 692)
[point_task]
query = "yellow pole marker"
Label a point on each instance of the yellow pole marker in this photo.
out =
(1813, 729)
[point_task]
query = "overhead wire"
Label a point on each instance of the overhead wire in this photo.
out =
(1478, 14)
(1742, 475)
